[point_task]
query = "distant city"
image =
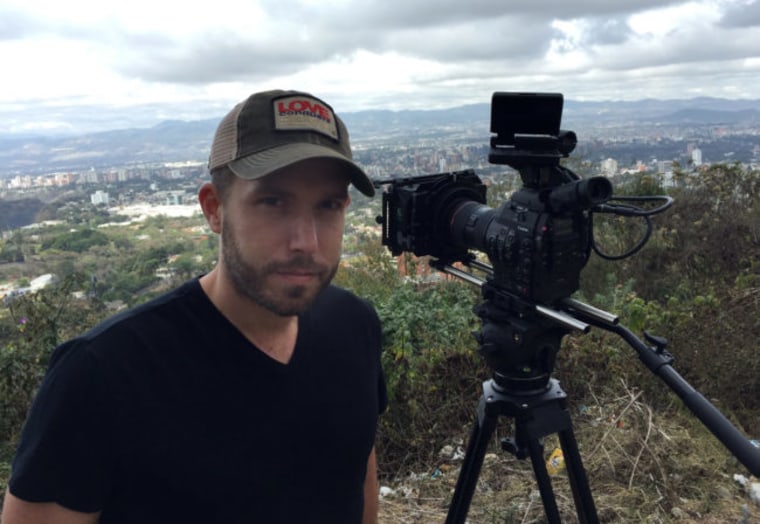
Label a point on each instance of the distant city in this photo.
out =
(614, 139)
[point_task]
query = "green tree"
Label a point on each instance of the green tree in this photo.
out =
(13, 249)
(36, 323)
(77, 241)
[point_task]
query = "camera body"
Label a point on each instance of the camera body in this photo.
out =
(539, 240)
(536, 253)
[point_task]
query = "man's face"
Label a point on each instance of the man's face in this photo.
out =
(282, 234)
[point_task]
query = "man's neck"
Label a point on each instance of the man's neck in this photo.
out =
(271, 333)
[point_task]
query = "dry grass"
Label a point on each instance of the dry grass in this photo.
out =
(643, 466)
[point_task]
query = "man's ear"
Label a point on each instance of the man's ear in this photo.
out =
(211, 204)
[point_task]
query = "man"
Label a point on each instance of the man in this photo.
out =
(248, 395)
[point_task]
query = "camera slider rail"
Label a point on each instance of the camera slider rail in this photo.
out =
(559, 316)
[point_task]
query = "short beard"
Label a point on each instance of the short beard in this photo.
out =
(250, 282)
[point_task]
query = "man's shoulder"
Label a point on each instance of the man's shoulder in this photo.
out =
(339, 297)
(339, 306)
(157, 310)
(147, 323)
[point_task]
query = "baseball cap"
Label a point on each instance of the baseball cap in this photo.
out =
(274, 129)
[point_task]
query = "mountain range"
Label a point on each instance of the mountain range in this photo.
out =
(177, 140)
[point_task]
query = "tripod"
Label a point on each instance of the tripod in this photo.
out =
(519, 342)
(520, 345)
(536, 416)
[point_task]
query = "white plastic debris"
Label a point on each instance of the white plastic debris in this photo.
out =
(741, 480)
(752, 488)
(754, 493)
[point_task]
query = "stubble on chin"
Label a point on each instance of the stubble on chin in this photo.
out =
(284, 301)
(254, 284)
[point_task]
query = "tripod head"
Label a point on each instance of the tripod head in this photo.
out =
(519, 340)
(519, 348)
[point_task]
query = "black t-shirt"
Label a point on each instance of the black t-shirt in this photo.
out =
(167, 413)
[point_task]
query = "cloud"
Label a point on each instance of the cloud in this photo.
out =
(374, 53)
(743, 14)
(214, 58)
(399, 14)
(285, 46)
(14, 24)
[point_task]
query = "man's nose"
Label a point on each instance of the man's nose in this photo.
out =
(304, 234)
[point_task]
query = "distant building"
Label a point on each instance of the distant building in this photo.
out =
(34, 286)
(609, 167)
(665, 166)
(696, 157)
(89, 177)
(99, 197)
(19, 182)
(175, 198)
(42, 282)
(64, 179)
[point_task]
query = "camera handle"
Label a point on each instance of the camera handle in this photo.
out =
(659, 361)
(539, 413)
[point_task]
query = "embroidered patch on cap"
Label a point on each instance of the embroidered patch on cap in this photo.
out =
(299, 113)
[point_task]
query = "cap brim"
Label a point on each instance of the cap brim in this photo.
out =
(266, 162)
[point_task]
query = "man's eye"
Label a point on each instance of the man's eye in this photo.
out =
(335, 205)
(270, 201)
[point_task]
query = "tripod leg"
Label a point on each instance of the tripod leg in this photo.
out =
(536, 450)
(547, 418)
(584, 501)
(484, 426)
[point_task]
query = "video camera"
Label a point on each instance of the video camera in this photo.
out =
(537, 242)
(540, 239)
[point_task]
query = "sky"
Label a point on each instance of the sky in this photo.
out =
(142, 61)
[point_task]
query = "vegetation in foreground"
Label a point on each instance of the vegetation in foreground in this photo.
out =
(648, 459)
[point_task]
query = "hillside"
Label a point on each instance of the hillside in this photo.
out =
(20, 212)
(648, 459)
